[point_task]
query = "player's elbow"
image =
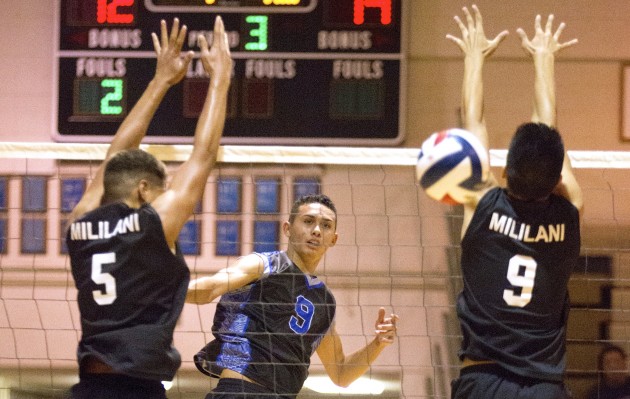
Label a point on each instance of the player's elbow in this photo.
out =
(344, 382)
(340, 379)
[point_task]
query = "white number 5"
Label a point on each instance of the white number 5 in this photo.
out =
(524, 279)
(98, 260)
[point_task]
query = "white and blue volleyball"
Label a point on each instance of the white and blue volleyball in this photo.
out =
(452, 165)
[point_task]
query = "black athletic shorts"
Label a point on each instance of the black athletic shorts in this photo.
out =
(118, 386)
(490, 381)
(234, 388)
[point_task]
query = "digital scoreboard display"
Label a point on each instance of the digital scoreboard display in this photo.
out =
(306, 72)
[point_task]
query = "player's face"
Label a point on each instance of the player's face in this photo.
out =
(313, 230)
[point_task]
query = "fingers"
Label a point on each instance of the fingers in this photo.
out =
(568, 44)
(499, 38)
(469, 18)
(221, 40)
(174, 31)
(203, 43)
(181, 36)
(386, 328)
(156, 43)
(163, 33)
(478, 16)
(549, 24)
(188, 57)
(381, 316)
(537, 25)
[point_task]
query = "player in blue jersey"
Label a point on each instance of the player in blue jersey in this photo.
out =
(519, 243)
(130, 275)
(274, 313)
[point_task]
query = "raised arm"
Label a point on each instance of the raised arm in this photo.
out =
(342, 369)
(176, 205)
(543, 48)
(170, 69)
(476, 48)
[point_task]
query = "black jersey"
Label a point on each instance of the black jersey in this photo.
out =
(268, 330)
(517, 258)
(131, 290)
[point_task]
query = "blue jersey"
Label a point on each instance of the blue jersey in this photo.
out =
(516, 260)
(131, 290)
(268, 330)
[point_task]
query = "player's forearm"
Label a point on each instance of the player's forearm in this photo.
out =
(200, 291)
(357, 363)
(211, 121)
(134, 127)
(544, 89)
(472, 111)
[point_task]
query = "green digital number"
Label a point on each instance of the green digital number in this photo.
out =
(112, 96)
(261, 33)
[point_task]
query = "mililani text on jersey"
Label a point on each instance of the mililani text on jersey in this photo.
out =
(100, 230)
(523, 232)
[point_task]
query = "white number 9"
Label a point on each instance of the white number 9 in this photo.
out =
(525, 280)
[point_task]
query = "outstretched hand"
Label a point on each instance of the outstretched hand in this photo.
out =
(473, 37)
(544, 40)
(385, 327)
(171, 65)
(216, 60)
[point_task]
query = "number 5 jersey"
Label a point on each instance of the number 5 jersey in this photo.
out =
(131, 290)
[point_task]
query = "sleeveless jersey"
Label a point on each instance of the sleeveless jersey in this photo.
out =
(516, 260)
(268, 330)
(131, 290)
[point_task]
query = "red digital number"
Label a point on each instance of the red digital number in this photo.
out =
(108, 13)
(384, 5)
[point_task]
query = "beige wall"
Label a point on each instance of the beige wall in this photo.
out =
(588, 75)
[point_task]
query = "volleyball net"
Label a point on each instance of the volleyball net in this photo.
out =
(397, 249)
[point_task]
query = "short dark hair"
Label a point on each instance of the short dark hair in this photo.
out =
(125, 169)
(310, 199)
(534, 161)
(608, 349)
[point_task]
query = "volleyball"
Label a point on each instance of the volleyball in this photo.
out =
(452, 165)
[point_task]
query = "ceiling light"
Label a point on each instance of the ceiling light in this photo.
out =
(362, 386)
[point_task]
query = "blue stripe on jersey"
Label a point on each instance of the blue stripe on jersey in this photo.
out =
(236, 351)
(313, 281)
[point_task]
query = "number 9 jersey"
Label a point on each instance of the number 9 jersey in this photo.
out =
(269, 329)
(516, 261)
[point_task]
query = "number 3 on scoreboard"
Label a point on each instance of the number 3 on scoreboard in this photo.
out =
(523, 279)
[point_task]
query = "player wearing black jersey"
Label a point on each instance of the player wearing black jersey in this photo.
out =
(519, 243)
(130, 275)
(274, 313)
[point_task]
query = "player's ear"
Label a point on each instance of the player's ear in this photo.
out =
(286, 230)
(334, 240)
(143, 189)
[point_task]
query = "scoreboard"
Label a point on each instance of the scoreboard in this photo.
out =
(306, 72)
